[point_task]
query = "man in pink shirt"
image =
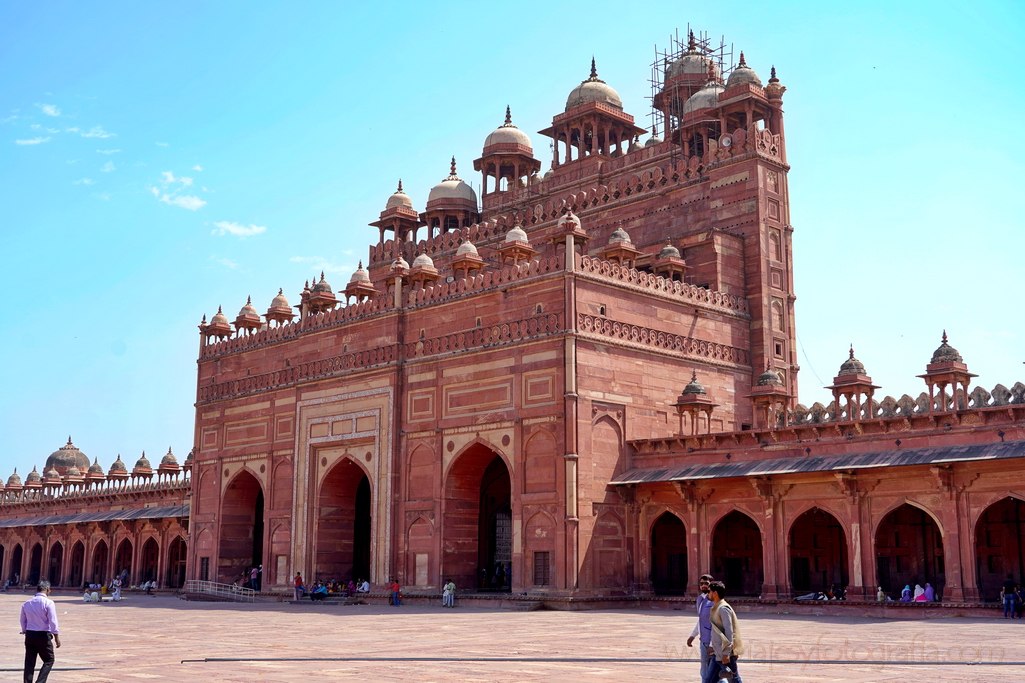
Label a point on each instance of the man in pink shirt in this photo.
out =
(39, 624)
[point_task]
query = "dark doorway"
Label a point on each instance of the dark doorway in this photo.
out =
(35, 564)
(241, 543)
(100, 562)
(1000, 547)
(494, 549)
(737, 554)
(818, 553)
(909, 551)
(56, 564)
(76, 575)
(16, 576)
(123, 562)
(343, 524)
(668, 555)
(176, 564)
(150, 558)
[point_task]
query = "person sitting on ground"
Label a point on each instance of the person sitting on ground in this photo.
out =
(448, 595)
(364, 586)
(319, 591)
(905, 595)
(881, 595)
(919, 593)
(116, 589)
(930, 593)
(351, 588)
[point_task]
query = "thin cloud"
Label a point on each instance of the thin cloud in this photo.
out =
(237, 229)
(33, 141)
(197, 168)
(84, 181)
(184, 201)
(94, 132)
(49, 109)
(103, 196)
(108, 151)
(108, 167)
(161, 144)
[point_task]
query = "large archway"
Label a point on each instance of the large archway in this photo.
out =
(1000, 546)
(176, 563)
(737, 554)
(76, 570)
(123, 562)
(16, 575)
(477, 531)
(98, 570)
(241, 546)
(818, 553)
(150, 559)
(343, 524)
(909, 551)
(35, 564)
(55, 566)
(668, 555)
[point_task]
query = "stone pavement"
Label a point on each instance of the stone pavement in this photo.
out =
(166, 639)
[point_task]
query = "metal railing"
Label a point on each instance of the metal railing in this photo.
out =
(221, 591)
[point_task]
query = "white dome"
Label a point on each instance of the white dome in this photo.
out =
(515, 235)
(508, 134)
(399, 198)
(706, 98)
(619, 236)
(593, 90)
(360, 275)
(423, 261)
(452, 187)
(467, 248)
(399, 264)
(743, 74)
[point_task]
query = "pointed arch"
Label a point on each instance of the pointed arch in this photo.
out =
(669, 570)
(737, 553)
(609, 551)
(818, 552)
(241, 526)
(420, 473)
(76, 566)
(419, 544)
(55, 563)
(909, 548)
(343, 522)
(100, 561)
(149, 560)
(123, 559)
(1000, 545)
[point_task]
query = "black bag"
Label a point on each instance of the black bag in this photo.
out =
(726, 675)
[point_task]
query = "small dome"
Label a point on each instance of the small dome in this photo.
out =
(619, 236)
(14, 480)
(743, 74)
(360, 275)
(33, 477)
(669, 251)
(248, 312)
(568, 221)
(142, 463)
(74, 472)
(946, 353)
(219, 318)
(66, 456)
(96, 468)
(706, 98)
(117, 466)
(593, 90)
(769, 378)
(452, 187)
(399, 198)
(169, 459)
(852, 366)
(322, 287)
(423, 261)
(467, 249)
(399, 264)
(51, 475)
(279, 303)
(517, 234)
(694, 386)
(508, 134)
(691, 63)
(652, 141)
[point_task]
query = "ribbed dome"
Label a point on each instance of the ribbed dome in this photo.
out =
(423, 261)
(33, 477)
(743, 74)
(694, 386)
(467, 249)
(14, 479)
(593, 90)
(399, 198)
(67, 456)
(360, 275)
(691, 63)
(769, 378)
(51, 475)
(508, 134)
(399, 264)
(74, 472)
(96, 467)
(852, 366)
(452, 187)
(517, 234)
(143, 462)
(706, 98)
(219, 318)
(669, 251)
(619, 236)
(279, 304)
(117, 466)
(946, 353)
(248, 312)
(322, 287)
(169, 459)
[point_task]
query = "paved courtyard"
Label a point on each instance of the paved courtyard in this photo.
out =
(165, 639)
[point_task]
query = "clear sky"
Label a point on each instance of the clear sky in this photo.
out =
(160, 159)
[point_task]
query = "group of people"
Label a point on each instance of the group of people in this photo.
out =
(717, 631)
(1012, 595)
(920, 594)
(321, 590)
(833, 593)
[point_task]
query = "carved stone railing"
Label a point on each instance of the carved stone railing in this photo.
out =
(644, 337)
(501, 334)
(657, 284)
(69, 493)
(489, 279)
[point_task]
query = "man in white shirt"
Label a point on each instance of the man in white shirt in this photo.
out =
(39, 624)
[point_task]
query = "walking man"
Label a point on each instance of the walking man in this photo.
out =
(726, 641)
(703, 627)
(39, 624)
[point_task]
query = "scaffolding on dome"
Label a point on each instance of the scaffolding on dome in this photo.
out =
(721, 54)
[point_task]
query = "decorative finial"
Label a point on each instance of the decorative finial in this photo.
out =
(249, 300)
(453, 169)
(321, 276)
(944, 336)
(852, 351)
(360, 266)
(711, 70)
(508, 116)
(281, 291)
(400, 185)
(772, 73)
(742, 62)
(691, 43)
(69, 439)
(203, 321)
(694, 376)
(219, 310)
(594, 70)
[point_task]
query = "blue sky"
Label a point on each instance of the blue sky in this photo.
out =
(158, 160)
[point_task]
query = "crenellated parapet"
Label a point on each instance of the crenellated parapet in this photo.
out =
(178, 484)
(482, 282)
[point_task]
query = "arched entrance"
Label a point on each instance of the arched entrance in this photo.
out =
(98, 571)
(909, 551)
(3, 556)
(1000, 546)
(477, 531)
(818, 553)
(668, 555)
(241, 532)
(343, 524)
(76, 575)
(16, 561)
(176, 564)
(150, 558)
(56, 564)
(123, 562)
(35, 564)
(737, 554)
